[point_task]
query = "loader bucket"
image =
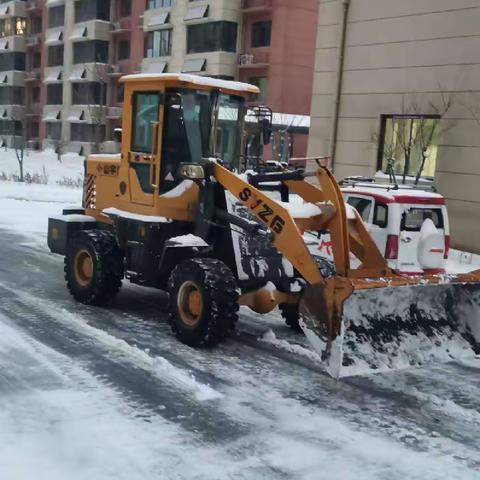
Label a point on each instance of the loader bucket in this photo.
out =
(395, 327)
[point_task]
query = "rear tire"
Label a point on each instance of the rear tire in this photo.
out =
(203, 301)
(93, 267)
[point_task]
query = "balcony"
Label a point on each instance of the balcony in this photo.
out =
(256, 6)
(122, 25)
(32, 76)
(33, 5)
(33, 40)
(122, 68)
(33, 110)
(15, 8)
(253, 60)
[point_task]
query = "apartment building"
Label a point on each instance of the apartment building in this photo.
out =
(61, 60)
(397, 85)
(278, 51)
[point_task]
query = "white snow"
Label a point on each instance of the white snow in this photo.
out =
(194, 79)
(181, 188)
(115, 212)
(75, 218)
(60, 420)
(189, 240)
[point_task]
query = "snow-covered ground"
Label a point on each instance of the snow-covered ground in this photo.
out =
(110, 394)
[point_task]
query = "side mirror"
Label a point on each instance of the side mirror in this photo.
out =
(266, 129)
(117, 135)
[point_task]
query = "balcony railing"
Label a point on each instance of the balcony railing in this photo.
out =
(32, 76)
(252, 60)
(256, 5)
(122, 25)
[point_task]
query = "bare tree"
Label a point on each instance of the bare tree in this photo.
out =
(97, 104)
(19, 144)
(412, 132)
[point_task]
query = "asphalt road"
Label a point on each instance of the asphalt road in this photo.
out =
(243, 410)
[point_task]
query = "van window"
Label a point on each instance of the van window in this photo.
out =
(413, 218)
(362, 205)
(380, 215)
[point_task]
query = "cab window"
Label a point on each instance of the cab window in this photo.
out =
(362, 205)
(145, 114)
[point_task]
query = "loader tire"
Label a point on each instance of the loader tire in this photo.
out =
(93, 267)
(203, 301)
(290, 312)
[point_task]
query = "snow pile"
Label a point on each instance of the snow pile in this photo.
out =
(270, 338)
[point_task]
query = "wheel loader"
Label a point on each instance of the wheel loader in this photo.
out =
(176, 210)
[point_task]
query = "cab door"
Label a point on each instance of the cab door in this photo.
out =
(144, 152)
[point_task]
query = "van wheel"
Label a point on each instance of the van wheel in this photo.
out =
(203, 301)
(93, 266)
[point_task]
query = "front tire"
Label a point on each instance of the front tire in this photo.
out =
(93, 267)
(203, 301)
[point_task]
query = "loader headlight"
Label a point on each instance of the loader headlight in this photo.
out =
(192, 171)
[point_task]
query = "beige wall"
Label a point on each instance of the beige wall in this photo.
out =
(399, 53)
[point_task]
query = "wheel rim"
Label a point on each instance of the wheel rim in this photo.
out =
(83, 265)
(190, 303)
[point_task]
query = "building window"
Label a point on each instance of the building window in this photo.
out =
(34, 130)
(89, 93)
(86, 132)
(55, 56)
(92, 10)
(54, 130)
(55, 94)
(35, 25)
(151, 4)
(158, 43)
(261, 34)
(125, 8)
(212, 37)
(13, 26)
(35, 94)
(12, 96)
(123, 50)
(9, 127)
(262, 84)
(34, 60)
(408, 144)
(120, 90)
(12, 61)
(56, 16)
(90, 51)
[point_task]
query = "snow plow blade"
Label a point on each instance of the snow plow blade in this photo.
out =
(390, 326)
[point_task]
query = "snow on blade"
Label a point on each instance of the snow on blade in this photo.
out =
(403, 327)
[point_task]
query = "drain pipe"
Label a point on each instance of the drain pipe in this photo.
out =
(339, 81)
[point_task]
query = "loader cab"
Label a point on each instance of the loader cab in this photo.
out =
(179, 119)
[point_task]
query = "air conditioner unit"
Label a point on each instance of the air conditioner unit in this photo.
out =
(246, 59)
(117, 26)
(114, 69)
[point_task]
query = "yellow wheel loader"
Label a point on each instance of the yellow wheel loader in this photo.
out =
(175, 211)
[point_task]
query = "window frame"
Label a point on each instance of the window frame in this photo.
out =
(257, 34)
(383, 130)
